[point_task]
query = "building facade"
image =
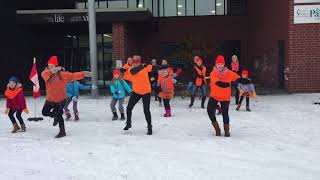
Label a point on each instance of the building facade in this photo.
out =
(280, 49)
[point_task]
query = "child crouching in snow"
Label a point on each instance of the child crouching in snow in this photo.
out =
(165, 82)
(246, 89)
(118, 88)
(16, 103)
(72, 91)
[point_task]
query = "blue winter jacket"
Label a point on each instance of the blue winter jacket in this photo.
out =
(119, 86)
(73, 88)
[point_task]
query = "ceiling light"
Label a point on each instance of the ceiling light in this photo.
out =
(179, 6)
(218, 4)
(106, 35)
(140, 5)
(179, 13)
(213, 12)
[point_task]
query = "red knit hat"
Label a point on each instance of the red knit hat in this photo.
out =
(220, 60)
(198, 60)
(116, 72)
(245, 73)
(53, 60)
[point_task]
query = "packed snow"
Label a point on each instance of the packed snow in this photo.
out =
(278, 140)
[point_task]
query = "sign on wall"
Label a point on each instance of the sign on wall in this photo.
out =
(305, 14)
(306, 1)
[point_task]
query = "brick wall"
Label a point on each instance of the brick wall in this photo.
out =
(304, 55)
(119, 41)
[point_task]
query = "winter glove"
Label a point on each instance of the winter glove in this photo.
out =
(55, 69)
(117, 92)
(152, 79)
(26, 110)
(94, 87)
(75, 99)
(222, 84)
(87, 73)
(6, 111)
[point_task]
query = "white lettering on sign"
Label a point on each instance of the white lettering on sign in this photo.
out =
(59, 18)
(305, 14)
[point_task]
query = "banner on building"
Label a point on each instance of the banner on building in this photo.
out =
(306, 14)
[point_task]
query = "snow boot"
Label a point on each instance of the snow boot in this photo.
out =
(68, 115)
(15, 128)
(23, 127)
(168, 113)
(238, 107)
(128, 126)
(62, 132)
(55, 121)
(248, 108)
(192, 101)
(216, 128)
(226, 130)
(203, 100)
(149, 130)
(115, 116)
(122, 116)
(76, 116)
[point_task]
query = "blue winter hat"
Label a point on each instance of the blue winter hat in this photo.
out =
(14, 79)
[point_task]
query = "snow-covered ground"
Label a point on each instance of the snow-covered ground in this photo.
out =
(279, 140)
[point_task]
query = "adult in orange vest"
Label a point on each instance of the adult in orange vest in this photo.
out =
(56, 79)
(126, 71)
(199, 74)
(141, 88)
(220, 91)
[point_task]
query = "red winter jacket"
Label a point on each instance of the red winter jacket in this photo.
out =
(15, 99)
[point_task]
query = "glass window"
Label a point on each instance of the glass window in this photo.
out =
(181, 7)
(80, 4)
(220, 7)
(205, 7)
(170, 7)
(103, 4)
(132, 3)
(190, 7)
(117, 4)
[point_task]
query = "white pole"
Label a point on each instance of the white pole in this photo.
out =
(93, 46)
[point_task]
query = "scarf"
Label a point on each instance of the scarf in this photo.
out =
(235, 66)
(11, 94)
(220, 74)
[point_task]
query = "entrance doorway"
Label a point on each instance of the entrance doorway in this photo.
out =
(76, 56)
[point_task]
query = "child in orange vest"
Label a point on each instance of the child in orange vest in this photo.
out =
(16, 103)
(166, 84)
(56, 80)
(199, 74)
(246, 89)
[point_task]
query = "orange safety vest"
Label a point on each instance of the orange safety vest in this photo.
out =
(168, 91)
(202, 73)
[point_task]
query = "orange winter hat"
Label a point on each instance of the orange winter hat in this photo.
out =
(53, 60)
(245, 73)
(220, 60)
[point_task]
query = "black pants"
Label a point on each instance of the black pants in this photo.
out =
(235, 85)
(247, 100)
(18, 115)
(156, 90)
(211, 109)
(54, 110)
(166, 103)
(134, 99)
